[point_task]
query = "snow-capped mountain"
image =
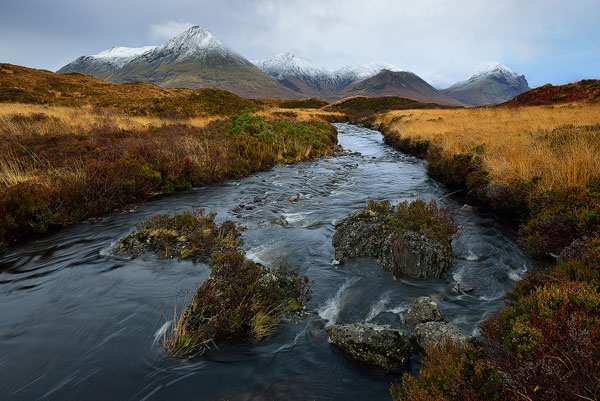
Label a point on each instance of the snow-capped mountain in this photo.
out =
(106, 62)
(494, 84)
(195, 58)
(304, 77)
(359, 72)
(121, 55)
(289, 65)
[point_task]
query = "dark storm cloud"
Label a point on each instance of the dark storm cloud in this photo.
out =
(443, 41)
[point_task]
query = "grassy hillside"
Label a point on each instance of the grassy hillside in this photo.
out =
(27, 85)
(358, 107)
(244, 80)
(587, 91)
(401, 84)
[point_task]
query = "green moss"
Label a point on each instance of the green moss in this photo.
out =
(425, 218)
(189, 235)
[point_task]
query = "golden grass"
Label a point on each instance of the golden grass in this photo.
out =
(519, 142)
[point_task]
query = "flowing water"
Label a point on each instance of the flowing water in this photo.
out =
(78, 323)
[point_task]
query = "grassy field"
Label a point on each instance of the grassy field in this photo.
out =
(557, 146)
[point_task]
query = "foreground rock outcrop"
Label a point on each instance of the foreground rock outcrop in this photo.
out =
(409, 239)
(437, 333)
(383, 346)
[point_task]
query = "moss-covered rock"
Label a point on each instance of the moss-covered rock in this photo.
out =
(193, 235)
(410, 238)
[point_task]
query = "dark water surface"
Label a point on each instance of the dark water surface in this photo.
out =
(79, 324)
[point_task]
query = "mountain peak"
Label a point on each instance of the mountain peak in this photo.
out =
(194, 39)
(496, 83)
(288, 64)
(497, 69)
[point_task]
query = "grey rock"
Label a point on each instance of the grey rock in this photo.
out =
(437, 333)
(131, 246)
(383, 346)
(464, 287)
(574, 250)
(422, 310)
(406, 253)
(467, 208)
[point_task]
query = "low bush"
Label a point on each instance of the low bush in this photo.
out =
(239, 298)
(452, 373)
(547, 342)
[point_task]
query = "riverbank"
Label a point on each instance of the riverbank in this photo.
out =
(55, 171)
(539, 165)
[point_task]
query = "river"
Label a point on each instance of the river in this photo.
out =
(78, 323)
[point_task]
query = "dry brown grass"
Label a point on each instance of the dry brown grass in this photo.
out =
(519, 143)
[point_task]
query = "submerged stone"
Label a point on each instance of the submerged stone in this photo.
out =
(383, 346)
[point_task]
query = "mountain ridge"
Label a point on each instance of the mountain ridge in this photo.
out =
(494, 84)
(196, 59)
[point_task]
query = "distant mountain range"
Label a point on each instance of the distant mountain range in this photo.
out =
(198, 59)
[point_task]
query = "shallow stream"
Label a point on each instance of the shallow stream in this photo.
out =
(80, 324)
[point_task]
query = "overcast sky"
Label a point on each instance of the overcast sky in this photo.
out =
(442, 41)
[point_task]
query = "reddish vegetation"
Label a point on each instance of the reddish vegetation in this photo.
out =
(90, 174)
(587, 90)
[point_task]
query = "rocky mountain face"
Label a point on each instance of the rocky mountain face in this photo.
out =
(495, 84)
(194, 59)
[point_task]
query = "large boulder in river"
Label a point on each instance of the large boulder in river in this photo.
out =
(408, 239)
(383, 346)
(422, 310)
(437, 333)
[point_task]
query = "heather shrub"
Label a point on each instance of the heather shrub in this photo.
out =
(547, 342)
(559, 217)
(452, 373)
(192, 235)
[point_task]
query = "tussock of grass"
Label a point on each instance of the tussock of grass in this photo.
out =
(239, 298)
(425, 218)
(190, 235)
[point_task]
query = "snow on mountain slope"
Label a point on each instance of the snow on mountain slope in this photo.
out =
(363, 71)
(494, 84)
(193, 42)
(289, 65)
(120, 55)
(495, 70)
